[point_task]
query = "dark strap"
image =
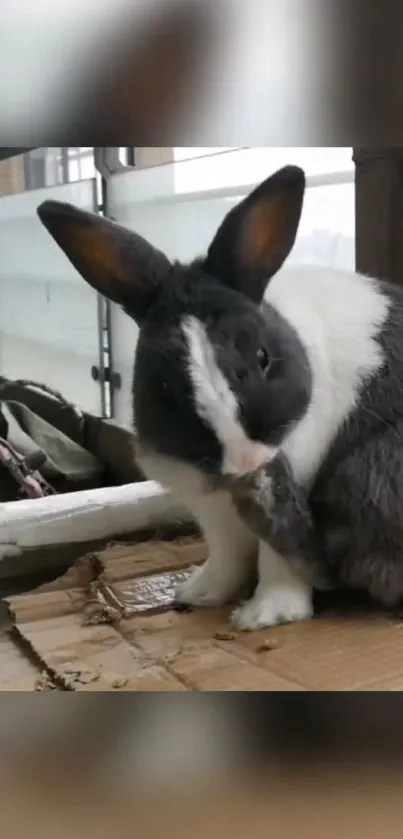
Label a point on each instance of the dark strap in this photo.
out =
(50, 391)
(48, 404)
(111, 444)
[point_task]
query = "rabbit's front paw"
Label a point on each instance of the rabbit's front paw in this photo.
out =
(280, 605)
(213, 584)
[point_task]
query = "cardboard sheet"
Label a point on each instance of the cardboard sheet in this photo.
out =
(108, 625)
(17, 672)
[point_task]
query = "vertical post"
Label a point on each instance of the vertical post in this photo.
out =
(64, 153)
(379, 212)
(108, 163)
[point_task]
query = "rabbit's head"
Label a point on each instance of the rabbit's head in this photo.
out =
(219, 374)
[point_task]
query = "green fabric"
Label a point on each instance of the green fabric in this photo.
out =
(28, 432)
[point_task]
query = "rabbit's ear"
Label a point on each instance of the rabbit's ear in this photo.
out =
(258, 234)
(116, 262)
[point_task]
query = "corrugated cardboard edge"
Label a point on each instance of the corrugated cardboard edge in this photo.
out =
(84, 606)
(133, 645)
(54, 531)
(134, 641)
(18, 670)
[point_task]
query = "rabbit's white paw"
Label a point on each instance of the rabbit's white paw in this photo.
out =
(268, 608)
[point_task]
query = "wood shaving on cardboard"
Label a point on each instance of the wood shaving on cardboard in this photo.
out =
(224, 636)
(103, 605)
(78, 675)
(45, 682)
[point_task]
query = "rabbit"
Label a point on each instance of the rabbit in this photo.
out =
(240, 357)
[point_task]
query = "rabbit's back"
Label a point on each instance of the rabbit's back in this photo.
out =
(340, 318)
(357, 498)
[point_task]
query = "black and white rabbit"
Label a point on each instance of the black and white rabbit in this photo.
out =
(238, 357)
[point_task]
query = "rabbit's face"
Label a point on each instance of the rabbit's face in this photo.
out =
(219, 374)
(218, 379)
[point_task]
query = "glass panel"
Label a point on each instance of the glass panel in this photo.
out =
(80, 163)
(241, 167)
(74, 171)
(191, 152)
(229, 171)
(48, 315)
(46, 166)
(326, 233)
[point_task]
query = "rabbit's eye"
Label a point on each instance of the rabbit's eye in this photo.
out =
(263, 360)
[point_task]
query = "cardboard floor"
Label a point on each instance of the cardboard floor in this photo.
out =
(107, 625)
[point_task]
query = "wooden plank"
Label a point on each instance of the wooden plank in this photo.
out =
(379, 212)
(84, 516)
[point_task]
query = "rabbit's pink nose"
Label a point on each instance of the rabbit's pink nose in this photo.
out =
(246, 457)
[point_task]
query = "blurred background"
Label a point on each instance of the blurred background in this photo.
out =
(158, 72)
(160, 765)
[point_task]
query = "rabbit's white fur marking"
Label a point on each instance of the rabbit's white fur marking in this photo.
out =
(337, 315)
(231, 553)
(231, 545)
(281, 596)
(217, 405)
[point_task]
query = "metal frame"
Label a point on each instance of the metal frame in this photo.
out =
(107, 160)
(107, 163)
(65, 164)
(131, 156)
(312, 181)
(101, 372)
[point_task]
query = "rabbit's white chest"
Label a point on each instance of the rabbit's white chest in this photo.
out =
(338, 316)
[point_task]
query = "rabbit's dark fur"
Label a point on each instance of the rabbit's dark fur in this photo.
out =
(277, 509)
(237, 360)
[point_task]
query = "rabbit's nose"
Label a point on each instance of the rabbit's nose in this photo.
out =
(247, 456)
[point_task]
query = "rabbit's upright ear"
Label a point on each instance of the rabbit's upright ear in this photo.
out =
(116, 262)
(258, 234)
